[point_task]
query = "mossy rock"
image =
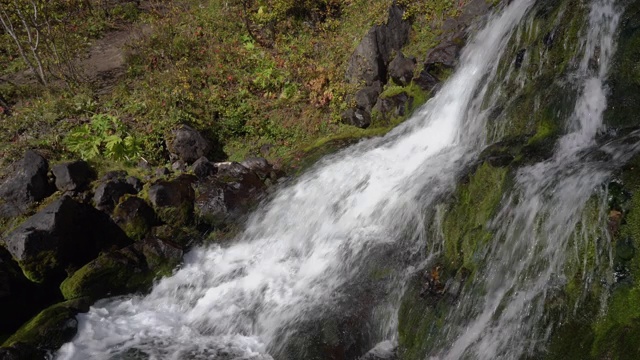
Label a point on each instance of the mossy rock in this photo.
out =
(624, 100)
(135, 217)
(115, 273)
(51, 328)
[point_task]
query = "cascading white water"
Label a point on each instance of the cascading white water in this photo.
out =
(298, 252)
(532, 231)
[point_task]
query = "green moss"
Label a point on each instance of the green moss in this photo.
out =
(465, 230)
(52, 327)
(40, 268)
(114, 273)
(176, 216)
(624, 100)
(464, 225)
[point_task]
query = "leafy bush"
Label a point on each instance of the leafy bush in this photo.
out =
(104, 136)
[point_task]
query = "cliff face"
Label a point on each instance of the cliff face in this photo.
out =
(589, 308)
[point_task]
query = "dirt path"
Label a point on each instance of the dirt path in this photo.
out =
(105, 63)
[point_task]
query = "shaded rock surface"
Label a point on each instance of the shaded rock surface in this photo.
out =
(123, 271)
(71, 176)
(112, 187)
(47, 331)
(28, 184)
(173, 199)
(64, 234)
(370, 59)
(135, 217)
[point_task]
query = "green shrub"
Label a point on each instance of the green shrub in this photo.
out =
(104, 136)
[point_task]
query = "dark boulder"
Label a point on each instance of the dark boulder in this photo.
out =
(369, 61)
(357, 117)
(136, 183)
(188, 144)
(401, 69)
(210, 206)
(65, 234)
(259, 165)
(366, 98)
(426, 80)
(111, 189)
(73, 176)
(124, 271)
(173, 199)
(20, 351)
(161, 256)
(28, 184)
(47, 331)
(225, 197)
(19, 298)
(203, 168)
(394, 106)
(135, 217)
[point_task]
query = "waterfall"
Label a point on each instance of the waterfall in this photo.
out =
(306, 251)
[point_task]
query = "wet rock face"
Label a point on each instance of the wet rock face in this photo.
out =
(72, 176)
(188, 144)
(65, 233)
(27, 185)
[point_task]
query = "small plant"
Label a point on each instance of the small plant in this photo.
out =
(104, 136)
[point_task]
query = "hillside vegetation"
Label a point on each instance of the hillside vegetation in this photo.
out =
(256, 76)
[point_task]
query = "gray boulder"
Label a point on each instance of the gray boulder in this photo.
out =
(401, 69)
(27, 185)
(65, 234)
(188, 144)
(369, 61)
(71, 176)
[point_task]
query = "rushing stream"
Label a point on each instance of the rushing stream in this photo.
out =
(306, 251)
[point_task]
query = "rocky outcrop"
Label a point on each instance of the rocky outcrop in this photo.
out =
(369, 64)
(64, 234)
(401, 69)
(369, 61)
(28, 184)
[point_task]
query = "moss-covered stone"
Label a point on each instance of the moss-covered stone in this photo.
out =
(135, 217)
(465, 230)
(113, 273)
(624, 100)
(51, 328)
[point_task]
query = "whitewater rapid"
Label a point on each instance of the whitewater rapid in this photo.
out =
(243, 300)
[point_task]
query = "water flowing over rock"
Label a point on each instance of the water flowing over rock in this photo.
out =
(485, 226)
